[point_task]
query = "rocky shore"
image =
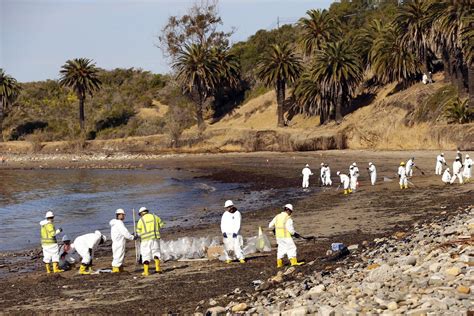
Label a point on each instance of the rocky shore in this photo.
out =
(429, 271)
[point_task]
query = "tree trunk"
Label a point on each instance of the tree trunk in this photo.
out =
(447, 66)
(339, 107)
(471, 86)
(2, 116)
(199, 116)
(81, 111)
(280, 100)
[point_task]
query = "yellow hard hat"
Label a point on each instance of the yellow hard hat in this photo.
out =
(402, 163)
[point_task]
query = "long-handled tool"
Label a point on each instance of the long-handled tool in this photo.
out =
(422, 172)
(136, 241)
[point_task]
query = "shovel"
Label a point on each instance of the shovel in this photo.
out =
(422, 172)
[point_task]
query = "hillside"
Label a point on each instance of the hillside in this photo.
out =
(409, 119)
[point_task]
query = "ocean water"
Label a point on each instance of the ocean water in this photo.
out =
(84, 200)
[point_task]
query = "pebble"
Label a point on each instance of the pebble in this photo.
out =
(239, 307)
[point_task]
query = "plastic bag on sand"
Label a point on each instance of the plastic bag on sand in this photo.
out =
(186, 248)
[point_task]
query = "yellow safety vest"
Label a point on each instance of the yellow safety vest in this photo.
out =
(280, 226)
(148, 227)
(48, 234)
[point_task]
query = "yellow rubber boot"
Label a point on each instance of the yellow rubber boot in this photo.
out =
(48, 269)
(56, 268)
(279, 263)
(294, 262)
(145, 270)
(350, 190)
(82, 270)
(228, 261)
(242, 260)
(406, 186)
(401, 186)
(157, 266)
(345, 192)
(115, 269)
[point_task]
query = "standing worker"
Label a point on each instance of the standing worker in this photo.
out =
(440, 161)
(409, 167)
(119, 233)
(230, 227)
(354, 174)
(446, 178)
(49, 243)
(467, 173)
(284, 231)
(402, 175)
(148, 229)
(345, 182)
(327, 174)
(457, 173)
(372, 173)
(306, 173)
(323, 174)
(85, 246)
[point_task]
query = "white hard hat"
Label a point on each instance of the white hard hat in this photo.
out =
(142, 209)
(119, 211)
(49, 214)
(442, 154)
(338, 173)
(370, 164)
(467, 156)
(289, 206)
(322, 163)
(354, 164)
(228, 203)
(447, 169)
(458, 152)
(307, 165)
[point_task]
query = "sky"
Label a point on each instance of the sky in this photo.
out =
(38, 36)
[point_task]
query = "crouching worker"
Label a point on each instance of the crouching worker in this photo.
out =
(148, 229)
(67, 254)
(49, 243)
(284, 232)
(230, 228)
(85, 246)
(119, 234)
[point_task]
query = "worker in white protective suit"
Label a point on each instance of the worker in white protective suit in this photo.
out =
(119, 234)
(345, 181)
(372, 172)
(440, 161)
(327, 175)
(459, 155)
(402, 175)
(148, 229)
(446, 178)
(306, 172)
(354, 175)
(457, 171)
(49, 243)
(284, 233)
(323, 174)
(67, 254)
(467, 172)
(230, 228)
(409, 167)
(85, 246)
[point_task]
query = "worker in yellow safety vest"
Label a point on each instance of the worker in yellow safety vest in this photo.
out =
(284, 233)
(148, 229)
(49, 243)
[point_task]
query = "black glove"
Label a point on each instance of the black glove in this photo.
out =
(234, 235)
(225, 235)
(296, 235)
(135, 237)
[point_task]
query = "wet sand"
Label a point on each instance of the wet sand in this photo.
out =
(323, 212)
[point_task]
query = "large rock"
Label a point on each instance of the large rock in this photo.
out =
(382, 274)
(299, 311)
(215, 311)
(326, 310)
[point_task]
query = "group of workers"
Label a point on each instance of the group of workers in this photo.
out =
(461, 170)
(148, 233)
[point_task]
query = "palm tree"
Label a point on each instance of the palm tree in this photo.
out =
(229, 67)
(199, 71)
(279, 67)
(309, 98)
(413, 23)
(338, 70)
(458, 111)
(317, 29)
(365, 39)
(9, 91)
(390, 60)
(81, 75)
(467, 44)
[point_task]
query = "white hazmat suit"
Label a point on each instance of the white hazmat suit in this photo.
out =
(446, 178)
(354, 174)
(86, 244)
(409, 167)
(457, 172)
(467, 172)
(286, 245)
(403, 177)
(373, 174)
(327, 174)
(440, 161)
(119, 234)
(306, 172)
(230, 228)
(323, 174)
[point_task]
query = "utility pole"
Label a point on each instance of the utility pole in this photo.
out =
(278, 22)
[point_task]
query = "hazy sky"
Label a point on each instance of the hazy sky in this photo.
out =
(38, 36)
